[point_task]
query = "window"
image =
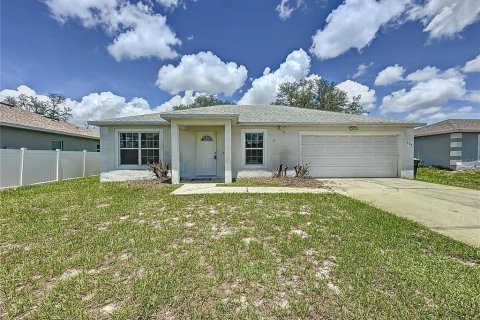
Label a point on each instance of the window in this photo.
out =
(254, 148)
(206, 138)
(57, 144)
(98, 148)
(139, 148)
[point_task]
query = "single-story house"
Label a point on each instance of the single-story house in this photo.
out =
(228, 141)
(451, 143)
(23, 129)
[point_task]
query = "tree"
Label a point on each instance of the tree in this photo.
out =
(203, 101)
(10, 100)
(317, 94)
(37, 106)
(54, 108)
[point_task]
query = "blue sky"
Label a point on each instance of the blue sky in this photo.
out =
(117, 57)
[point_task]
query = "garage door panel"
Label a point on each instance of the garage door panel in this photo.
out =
(350, 156)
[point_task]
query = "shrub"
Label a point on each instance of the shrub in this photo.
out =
(160, 169)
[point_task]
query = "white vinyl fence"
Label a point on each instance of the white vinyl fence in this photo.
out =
(25, 167)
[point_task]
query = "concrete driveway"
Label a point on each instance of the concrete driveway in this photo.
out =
(451, 211)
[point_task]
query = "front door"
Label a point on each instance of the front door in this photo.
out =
(206, 154)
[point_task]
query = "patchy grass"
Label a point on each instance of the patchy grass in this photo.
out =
(464, 179)
(275, 182)
(79, 249)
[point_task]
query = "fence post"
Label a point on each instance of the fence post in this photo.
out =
(58, 164)
(84, 162)
(22, 165)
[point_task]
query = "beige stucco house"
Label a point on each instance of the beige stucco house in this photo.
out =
(229, 141)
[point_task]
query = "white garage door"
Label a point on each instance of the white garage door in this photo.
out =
(350, 156)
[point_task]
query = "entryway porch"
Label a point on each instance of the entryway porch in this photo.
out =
(201, 150)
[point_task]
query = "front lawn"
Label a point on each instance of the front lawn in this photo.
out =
(464, 179)
(80, 249)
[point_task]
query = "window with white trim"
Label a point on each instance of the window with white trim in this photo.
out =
(139, 148)
(254, 148)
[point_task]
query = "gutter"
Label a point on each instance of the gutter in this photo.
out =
(99, 123)
(300, 124)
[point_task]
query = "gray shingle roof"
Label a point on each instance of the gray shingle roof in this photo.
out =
(449, 126)
(260, 114)
(17, 117)
(144, 119)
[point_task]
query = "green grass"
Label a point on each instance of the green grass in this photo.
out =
(464, 179)
(77, 249)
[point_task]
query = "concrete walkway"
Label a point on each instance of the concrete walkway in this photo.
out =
(451, 211)
(211, 188)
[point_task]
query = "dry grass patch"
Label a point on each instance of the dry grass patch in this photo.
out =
(276, 182)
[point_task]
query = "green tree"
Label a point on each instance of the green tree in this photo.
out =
(317, 94)
(10, 100)
(203, 101)
(37, 106)
(54, 108)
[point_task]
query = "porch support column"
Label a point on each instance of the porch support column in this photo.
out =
(175, 137)
(228, 151)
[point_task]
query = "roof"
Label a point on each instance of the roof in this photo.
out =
(11, 116)
(449, 126)
(144, 119)
(258, 114)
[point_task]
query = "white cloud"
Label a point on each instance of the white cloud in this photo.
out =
(354, 89)
(424, 74)
(446, 18)
(285, 8)
(264, 88)
(390, 75)
(472, 95)
(137, 30)
(417, 114)
(93, 106)
(106, 105)
(362, 69)
(88, 12)
(465, 109)
(203, 72)
(354, 24)
(145, 34)
(426, 93)
(169, 3)
(187, 99)
(472, 65)
(462, 112)
(22, 89)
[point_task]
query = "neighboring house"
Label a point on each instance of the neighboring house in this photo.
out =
(449, 144)
(23, 129)
(229, 141)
